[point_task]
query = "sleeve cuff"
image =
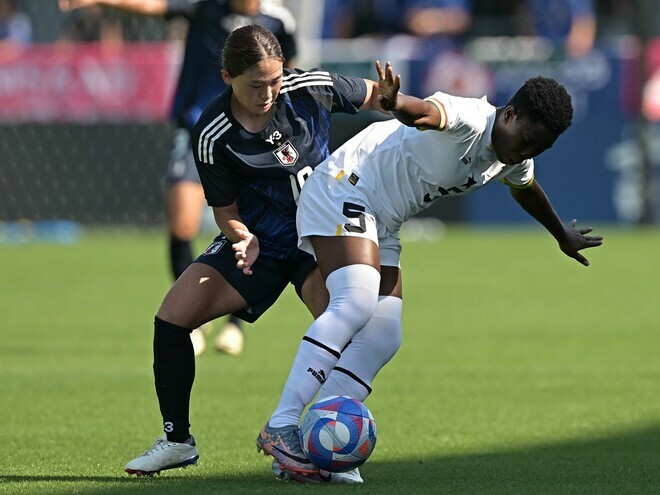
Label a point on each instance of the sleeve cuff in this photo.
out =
(443, 113)
(518, 186)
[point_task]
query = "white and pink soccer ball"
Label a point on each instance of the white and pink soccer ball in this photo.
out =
(338, 434)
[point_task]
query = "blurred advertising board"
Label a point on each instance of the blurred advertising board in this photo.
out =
(593, 173)
(75, 82)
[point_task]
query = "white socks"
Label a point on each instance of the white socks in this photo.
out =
(353, 297)
(368, 352)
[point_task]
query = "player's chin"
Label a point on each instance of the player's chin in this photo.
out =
(507, 161)
(265, 107)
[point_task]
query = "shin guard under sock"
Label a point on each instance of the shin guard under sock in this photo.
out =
(367, 353)
(353, 298)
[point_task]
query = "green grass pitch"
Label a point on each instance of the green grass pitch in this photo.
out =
(521, 371)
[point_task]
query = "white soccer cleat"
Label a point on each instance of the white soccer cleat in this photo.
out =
(198, 338)
(230, 340)
(163, 455)
(351, 477)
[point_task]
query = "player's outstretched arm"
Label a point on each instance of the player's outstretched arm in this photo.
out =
(409, 110)
(245, 244)
(571, 240)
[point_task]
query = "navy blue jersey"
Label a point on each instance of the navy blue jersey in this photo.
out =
(210, 22)
(264, 171)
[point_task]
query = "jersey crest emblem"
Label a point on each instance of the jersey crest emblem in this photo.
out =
(286, 154)
(214, 248)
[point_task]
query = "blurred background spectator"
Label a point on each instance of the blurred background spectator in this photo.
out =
(92, 24)
(429, 34)
(424, 18)
(15, 25)
(571, 23)
(450, 18)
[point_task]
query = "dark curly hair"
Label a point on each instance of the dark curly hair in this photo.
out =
(542, 99)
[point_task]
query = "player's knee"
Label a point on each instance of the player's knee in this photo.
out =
(352, 311)
(173, 312)
(353, 294)
(170, 315)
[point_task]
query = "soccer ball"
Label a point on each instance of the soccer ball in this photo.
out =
(338, 434)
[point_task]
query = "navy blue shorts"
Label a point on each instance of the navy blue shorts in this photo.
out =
(269, 277)
(182, 162)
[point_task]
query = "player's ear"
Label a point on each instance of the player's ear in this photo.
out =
(509, 114)
(225, 76)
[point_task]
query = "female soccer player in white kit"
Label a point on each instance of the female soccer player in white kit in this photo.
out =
(354, 203)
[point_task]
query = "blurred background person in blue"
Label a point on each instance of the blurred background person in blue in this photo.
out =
(448, 20)
(568, 23)
(436, 29)
(15, 25)
(209, 24)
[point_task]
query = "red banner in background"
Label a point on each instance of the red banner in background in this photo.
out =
(87, 82)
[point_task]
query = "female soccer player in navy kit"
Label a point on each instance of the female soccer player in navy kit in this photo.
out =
(254, 145)
(209, 24)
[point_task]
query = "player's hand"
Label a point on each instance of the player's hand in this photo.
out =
(576, 239)
(388, 86)
(247, 250)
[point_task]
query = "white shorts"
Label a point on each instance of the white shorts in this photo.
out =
(329, 207)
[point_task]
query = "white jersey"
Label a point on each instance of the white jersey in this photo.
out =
(400, 170)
